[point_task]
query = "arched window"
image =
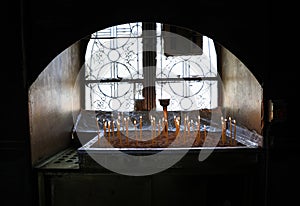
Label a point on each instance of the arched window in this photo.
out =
(129, 63)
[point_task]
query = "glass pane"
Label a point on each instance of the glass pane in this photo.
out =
(115, 70)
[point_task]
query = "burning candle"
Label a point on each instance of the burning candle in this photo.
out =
(104, 127)
(226, 126)
(163, 124)
(166, 133)
(177, 126)
(151, 122)
(126, 122)
(189, 127)
(174, 120)
(184, 129)
(123, 124)
(108, 128)
(135, 128)
(141, 127)
(199, 125)
(230, 129)
(234, 135)
(152, 132)
(199, 129)
(141, 122)
(166, 129)
(196, 132)
(204, 138)
(113, 128)
(158, 126)
(98, 129)
(119, 127)
(118, 130)
(159, 122)
(154, 127)
(223, 132)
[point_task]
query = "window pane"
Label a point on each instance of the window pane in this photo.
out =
(114, 72)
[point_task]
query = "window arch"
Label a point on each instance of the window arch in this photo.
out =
(123, 60)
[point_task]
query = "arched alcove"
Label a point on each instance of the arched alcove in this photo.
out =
(53, 97)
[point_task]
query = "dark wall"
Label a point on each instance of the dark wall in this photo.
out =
(34, 32)
(55, 25)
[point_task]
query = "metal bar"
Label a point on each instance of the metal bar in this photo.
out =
(168, 80)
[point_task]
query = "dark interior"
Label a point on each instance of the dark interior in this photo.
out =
(42, 30)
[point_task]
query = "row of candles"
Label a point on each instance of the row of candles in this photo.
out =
(122, 124)
(189, 126)
(228, 124)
